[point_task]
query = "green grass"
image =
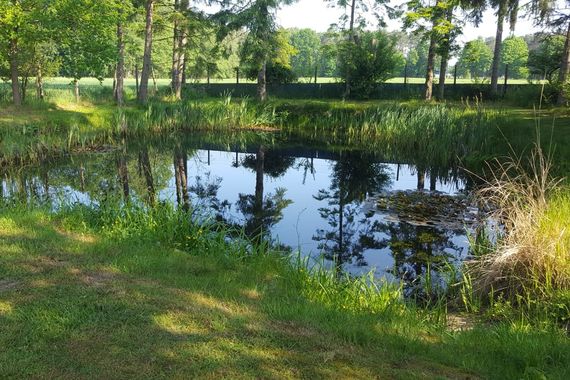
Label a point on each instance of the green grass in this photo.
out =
(95, 294)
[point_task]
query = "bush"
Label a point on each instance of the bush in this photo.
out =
(370, 59)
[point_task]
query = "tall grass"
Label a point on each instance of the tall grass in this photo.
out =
(528, 264)
(214, 115)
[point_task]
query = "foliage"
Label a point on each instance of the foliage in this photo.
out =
(85, 35)
(307, 43)
(278, 66)
(545, 61)
(475, 59)
(515, 54)
(369, 60)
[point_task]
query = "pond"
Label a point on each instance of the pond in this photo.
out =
(353, 208)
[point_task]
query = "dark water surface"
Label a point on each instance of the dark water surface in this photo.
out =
(323, 202)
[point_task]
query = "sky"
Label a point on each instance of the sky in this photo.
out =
(315, 14)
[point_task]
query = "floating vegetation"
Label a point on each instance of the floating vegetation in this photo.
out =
(430, 209)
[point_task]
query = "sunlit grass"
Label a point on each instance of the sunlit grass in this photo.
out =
(131, 301)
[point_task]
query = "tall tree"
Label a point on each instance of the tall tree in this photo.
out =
(307, 43)
(430, 21)
(554, 14)
(147, 56)
(123, 8)
(514, 57)
(506, 9)
(12, 21)
(179, 45)
(258, 17)
(85, 32)
(475, 59)
(545, 60)
(355, 16)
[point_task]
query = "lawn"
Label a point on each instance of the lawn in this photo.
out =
(76, 303)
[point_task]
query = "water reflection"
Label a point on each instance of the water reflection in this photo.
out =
(354, 177)
(322, 202)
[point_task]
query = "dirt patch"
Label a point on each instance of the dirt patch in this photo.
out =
(457, 322)
(291, 329)
(97, 278)
(8, 284)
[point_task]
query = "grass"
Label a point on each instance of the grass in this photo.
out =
(527, 261)
(106, 293)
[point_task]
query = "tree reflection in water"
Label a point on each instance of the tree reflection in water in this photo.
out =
(354, 176)
(419, 252)
(262, 211)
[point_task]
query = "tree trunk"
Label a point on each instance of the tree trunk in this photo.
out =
(498, 46)
(137, 86)
(16, 96)
(455, 74)
(175, 48)
(442, 74)
(445, 58)
(181, 178)
(24, 88)
(564, 68)
(262, 83)
(179, 51)
(154, 86)
(39, 84)
(351, 38)
(120, 73)
(421, 179)
(430, 65)
(432, 181)
(316, 73)
(506, 80)
(147, 57)
(144, 162)
(259, 190)
(76, 90)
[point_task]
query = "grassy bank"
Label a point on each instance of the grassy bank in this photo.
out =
(470, 133)
(100, 293)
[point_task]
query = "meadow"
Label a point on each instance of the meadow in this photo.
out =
(79, 283)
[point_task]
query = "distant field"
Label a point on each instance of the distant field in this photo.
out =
(165, 82)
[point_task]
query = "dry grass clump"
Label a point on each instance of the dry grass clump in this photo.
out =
(531, 237)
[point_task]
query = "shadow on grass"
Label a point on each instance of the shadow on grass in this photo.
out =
(76, 306)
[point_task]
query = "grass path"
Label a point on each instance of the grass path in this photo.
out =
(75, 305)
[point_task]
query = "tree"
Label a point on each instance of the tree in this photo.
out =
(554, 14)
(433, 22)
(147, 56)
(307, 43)
(505, 9)
(258, 17)
(328, 53)
(180, 40)
(369, 59)
(514, 57)
(13, 17)
(85, 32)
(545, 60)
(475, 59)
(355, 17)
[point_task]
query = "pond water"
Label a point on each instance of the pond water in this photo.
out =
(350, 207)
